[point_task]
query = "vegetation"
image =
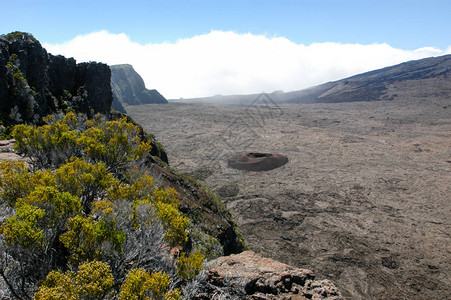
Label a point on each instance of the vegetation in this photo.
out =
(23, 105)
(93, 280)
(114, 143)
(18, 35)
(189, 267)
(140, 284)
(84, 219)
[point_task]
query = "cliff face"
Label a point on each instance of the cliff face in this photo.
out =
(34, 83)
(129, 89)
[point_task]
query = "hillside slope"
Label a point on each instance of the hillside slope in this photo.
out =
(420, 77)
(412, 79)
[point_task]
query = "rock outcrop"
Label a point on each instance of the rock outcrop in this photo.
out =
(129, 88)
(7, 151)
(249, 275)
(34, 83)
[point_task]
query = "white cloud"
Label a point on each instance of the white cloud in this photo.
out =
(229, 63)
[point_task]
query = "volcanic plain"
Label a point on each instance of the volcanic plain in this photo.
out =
(364, 200)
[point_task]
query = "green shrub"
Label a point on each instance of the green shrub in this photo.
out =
(189, 267)
(141, 285)
(87, 203)
(114, 143)
(23, 228)
(19, 35)
(93, 280)
(85, 237)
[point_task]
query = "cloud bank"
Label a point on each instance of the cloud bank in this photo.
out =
(230, 63)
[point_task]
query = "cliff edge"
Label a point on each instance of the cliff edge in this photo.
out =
(34, 83)
(129, 89)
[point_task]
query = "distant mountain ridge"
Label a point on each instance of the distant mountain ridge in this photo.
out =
(376, 85)
(424, 77)
(129, 89)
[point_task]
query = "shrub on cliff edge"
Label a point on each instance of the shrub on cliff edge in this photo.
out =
(82, 203)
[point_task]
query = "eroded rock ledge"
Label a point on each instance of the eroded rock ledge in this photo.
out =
(249, 275)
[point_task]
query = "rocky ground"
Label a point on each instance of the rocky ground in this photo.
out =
(7, 151)
(363, 201)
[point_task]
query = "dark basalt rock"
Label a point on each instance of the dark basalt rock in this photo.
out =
(34, 83)
(94, 78)
(62, 74)
(257, 161)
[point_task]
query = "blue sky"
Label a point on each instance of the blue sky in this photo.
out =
(400, 24)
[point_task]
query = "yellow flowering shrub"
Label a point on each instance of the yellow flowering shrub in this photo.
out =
(174, 222)
(23, 228)
(87, 196)
(15, 182)
(85, 236)
(93, 280)
(49, 145)
(57, 205)
(189, 267)
(44, 209)
(58, 286)
(104, 207)
(114, 143)
(138, 189)
(85, 180)
(141, 285)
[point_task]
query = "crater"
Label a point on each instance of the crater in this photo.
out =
(255, 161)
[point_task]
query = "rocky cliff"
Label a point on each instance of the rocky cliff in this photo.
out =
(129, 89)
(34, 83)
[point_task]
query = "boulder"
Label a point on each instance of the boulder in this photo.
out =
(249, 275)
(7, 151)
